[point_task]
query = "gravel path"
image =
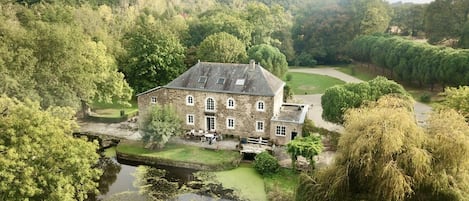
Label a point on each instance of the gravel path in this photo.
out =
(124, 130)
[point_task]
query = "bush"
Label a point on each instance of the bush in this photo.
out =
(305, 59)
(309, 128)
(425, 98)
(289, 77)
(266, 163)
(279, 194)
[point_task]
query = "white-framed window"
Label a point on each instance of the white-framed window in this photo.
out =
(259, 126)
(210, 104)
(153, 100)
(230, 103)
(210, 121)
(280, 131)
(190, 119)
(189, 100)
(230, 123)
(260, 106)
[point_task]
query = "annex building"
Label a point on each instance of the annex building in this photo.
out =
(243, 100)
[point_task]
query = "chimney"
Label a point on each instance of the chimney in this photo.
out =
(252, 64)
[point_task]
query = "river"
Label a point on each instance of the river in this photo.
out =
(120, 182)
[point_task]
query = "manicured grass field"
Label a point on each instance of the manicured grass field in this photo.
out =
(112, 110)
(246, 182)
(182, 153)
(305, 83)
(355, 72)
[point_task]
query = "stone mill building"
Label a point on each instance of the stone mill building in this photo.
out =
(242, 100)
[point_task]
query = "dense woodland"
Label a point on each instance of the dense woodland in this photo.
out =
(69, 53)
(62, 54)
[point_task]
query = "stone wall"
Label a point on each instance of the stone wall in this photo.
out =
(289, 128)
(244, 113)
(153, 161)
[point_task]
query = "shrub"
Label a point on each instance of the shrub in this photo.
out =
(266, 163)
(308, 128)
(279, 194)
(305, 59)
(425, 98)
(289, 77)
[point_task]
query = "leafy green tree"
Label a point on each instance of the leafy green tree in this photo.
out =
(159, 124)
(265, 163)
(40, 159)
(379, 153)
(375, 17)
(53, 74)
(287, 93)
(270, 58)
(154, 56)
(385, 155)
(308, 128)
(457, 99)
(448, 142)
(220, 20)
(338, 99)
(408, 17)
(265, 22)
(445, 19)
(222, 47)
(307, 147)
(321, 33)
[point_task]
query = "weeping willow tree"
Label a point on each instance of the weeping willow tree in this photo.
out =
(384, 155)
(307, 147)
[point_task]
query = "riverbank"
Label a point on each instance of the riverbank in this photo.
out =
(178, 155)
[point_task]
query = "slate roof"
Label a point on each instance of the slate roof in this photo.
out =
(257, 80)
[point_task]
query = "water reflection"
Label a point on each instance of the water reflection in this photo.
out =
(116, 178)
(124, 180)
(110, 170)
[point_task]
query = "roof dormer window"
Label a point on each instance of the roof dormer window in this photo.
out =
(221, 80)
(240, 82)
(202, 79)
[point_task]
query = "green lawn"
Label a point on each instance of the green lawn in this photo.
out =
(110, 152)
(182, 153)
(305, 83)
(246, 182)
(112, 110)
(355, 72)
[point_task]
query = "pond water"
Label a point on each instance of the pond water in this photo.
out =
(119, 182)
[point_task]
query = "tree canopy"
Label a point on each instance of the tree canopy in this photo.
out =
(308, 147)
(222, 47)
(159, 124)
(270, 58)
(154, 58)
(457, 99)
(412, 61)
(338, 99)
(385, 155)
(39, 157)
(49, 61)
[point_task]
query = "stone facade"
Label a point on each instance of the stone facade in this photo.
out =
(292, 130)
(206, 84)
(244, 113)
